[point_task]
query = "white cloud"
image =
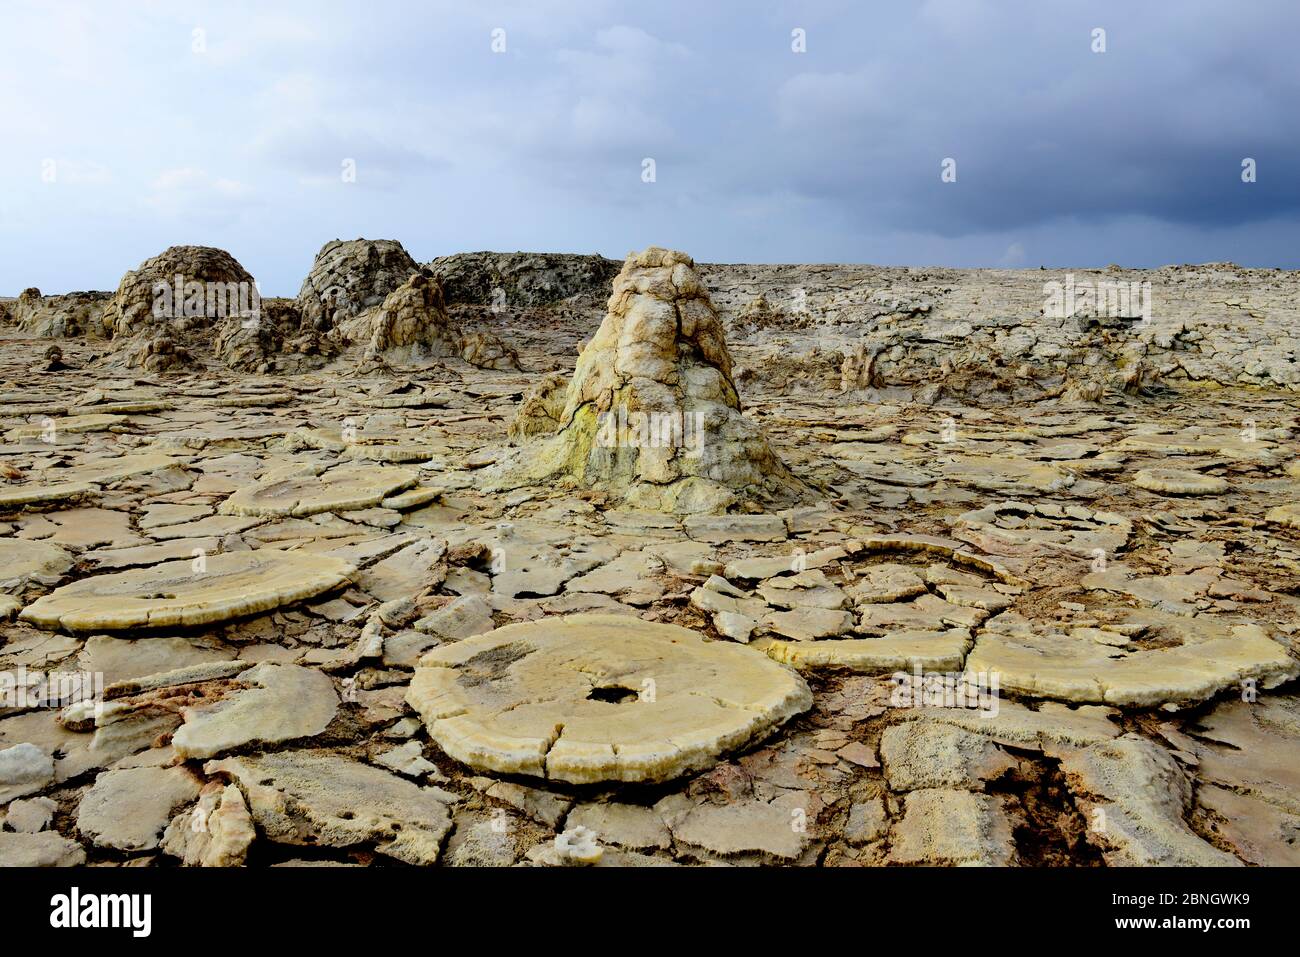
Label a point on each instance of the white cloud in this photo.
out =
(814, 100)
(188, 190)
(1014, 257)
(625, 59)
(75, 172)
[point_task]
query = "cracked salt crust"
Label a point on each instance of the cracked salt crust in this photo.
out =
(299, 490)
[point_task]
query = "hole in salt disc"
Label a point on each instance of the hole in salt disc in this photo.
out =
(612, 694)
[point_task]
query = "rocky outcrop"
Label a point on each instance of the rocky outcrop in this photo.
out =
(349, 277)
(159, 353)
(542, 408)
(858, 370)
(247, 345)
(518, 280)
(58, 317)
(488, 351)
(307, 619)
(652, 414)
(1092, 333)
(412, 326)
(412, 329)
(255, 345)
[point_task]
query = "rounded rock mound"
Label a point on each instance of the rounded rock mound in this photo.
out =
(154, 298)
(411, 328)
(348, 277)
(589, 698)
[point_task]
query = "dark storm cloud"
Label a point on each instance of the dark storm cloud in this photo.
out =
(1042, 127)
(1063, 156)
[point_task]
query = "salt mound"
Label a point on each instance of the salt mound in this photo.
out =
(652, 414)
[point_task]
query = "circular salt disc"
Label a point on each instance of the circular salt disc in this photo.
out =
(188, 592)
(587, 698)
(1179, 482)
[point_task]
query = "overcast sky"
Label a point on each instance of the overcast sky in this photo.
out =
(127, 127)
